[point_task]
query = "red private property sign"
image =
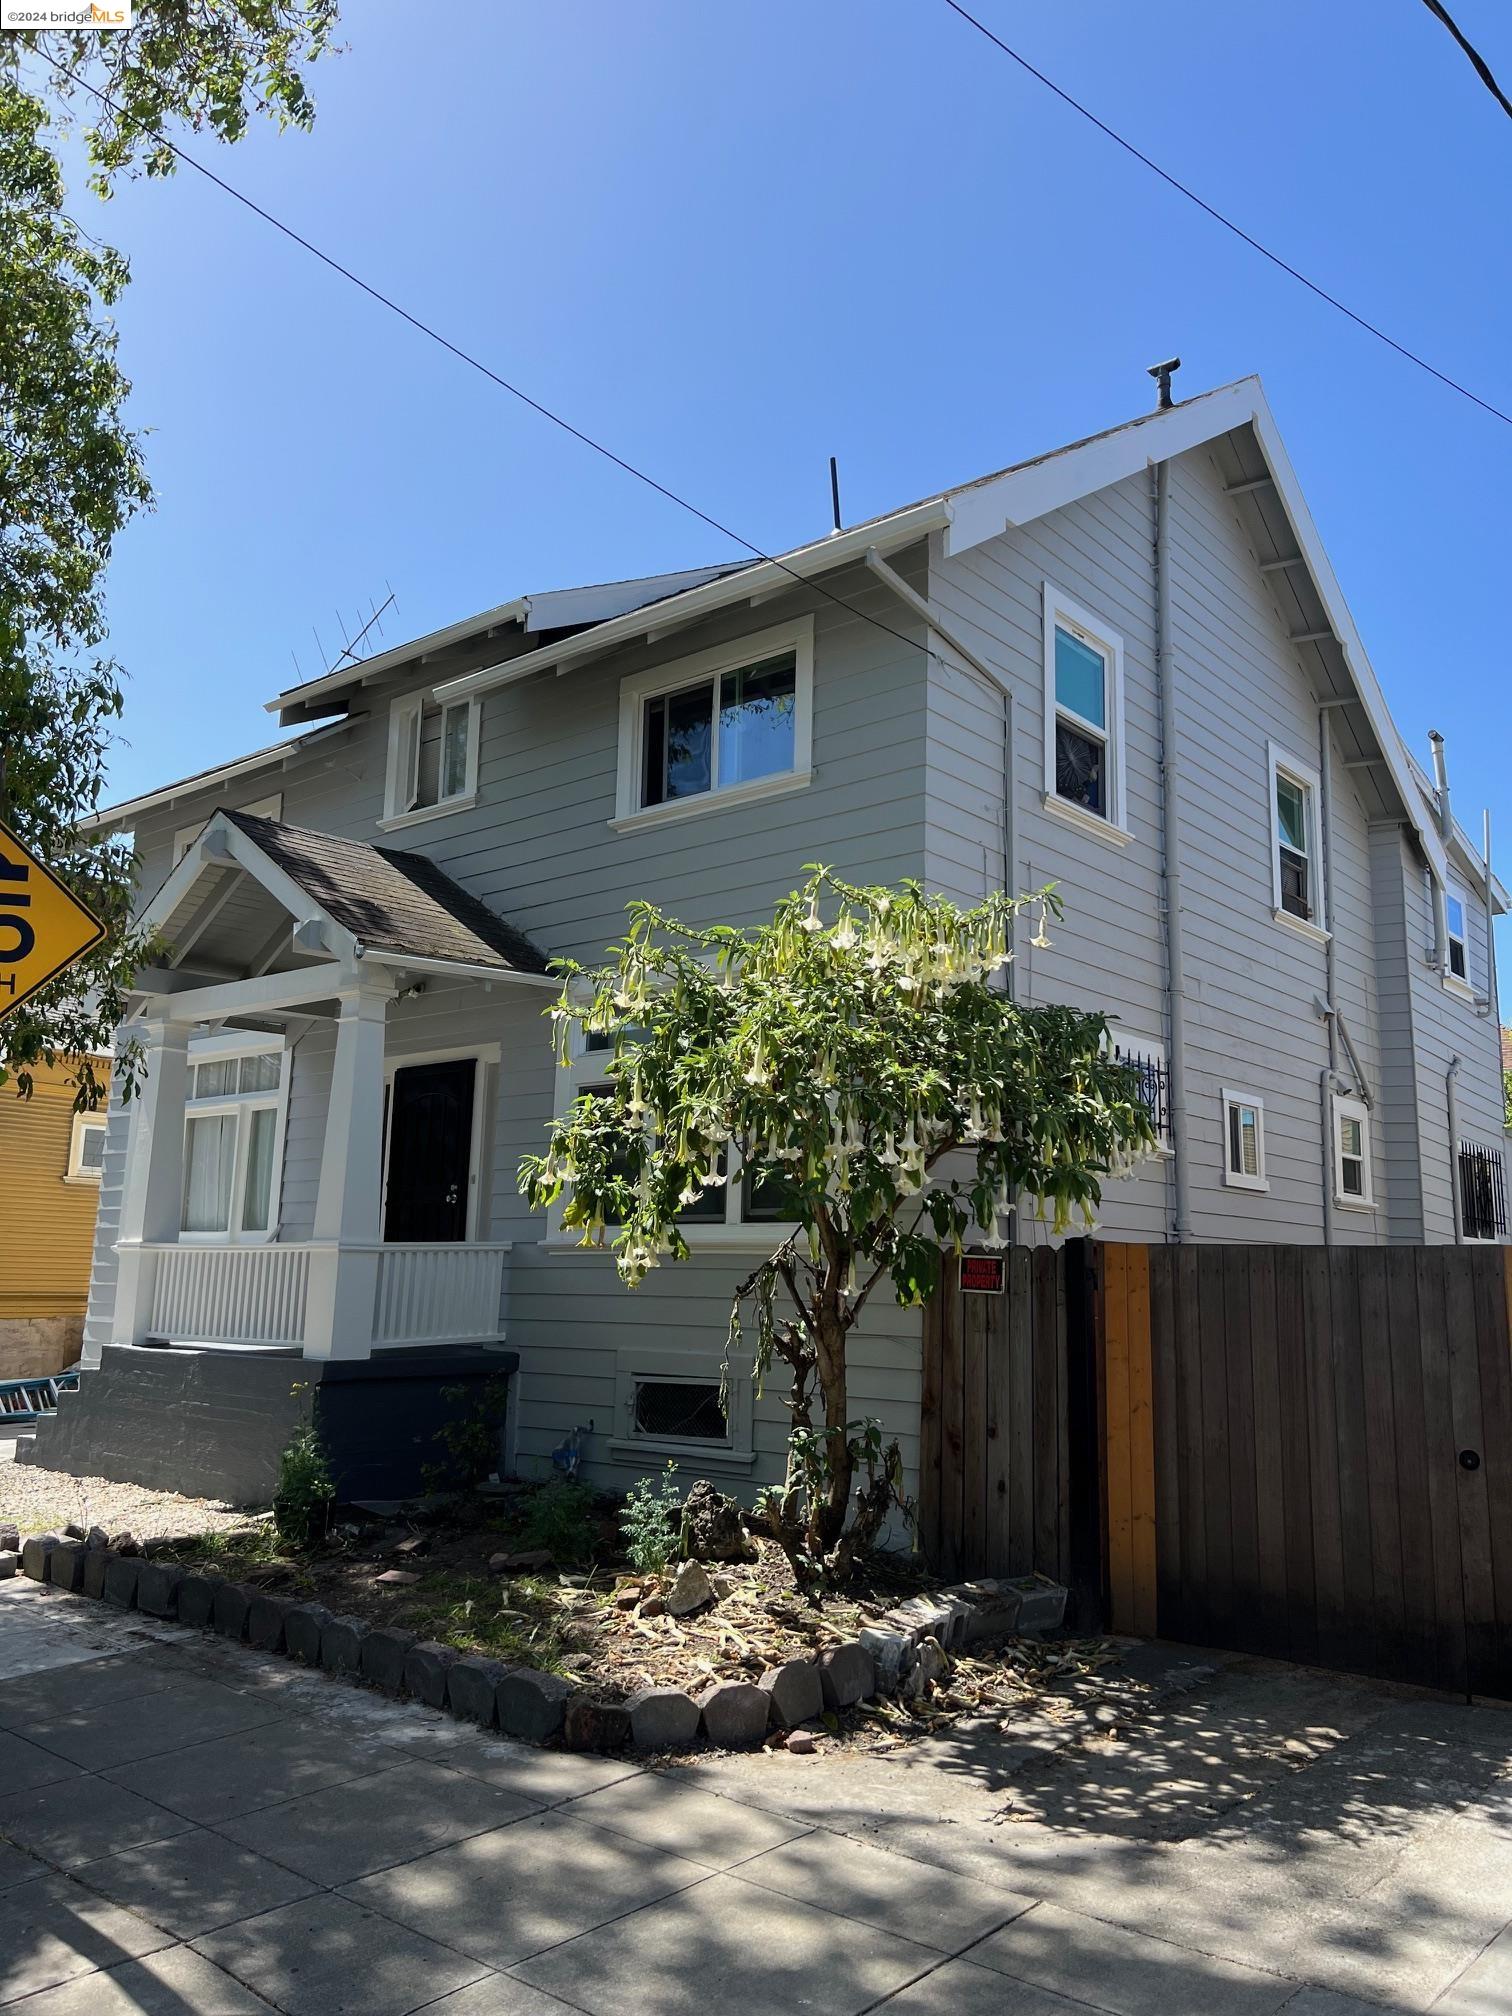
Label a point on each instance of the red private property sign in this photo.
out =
(981, 1273)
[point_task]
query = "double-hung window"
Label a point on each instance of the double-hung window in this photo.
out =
(1458, 938)
(233, 1140)
(1244, 1142)
(730, 724)
(1084, 769)
(432, 757)
(1296, 850)
(86, 1148)
(1353, 1183)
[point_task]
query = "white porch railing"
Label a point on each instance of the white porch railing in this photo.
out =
(438, 1294)
(230, 1294)
(260, 1294)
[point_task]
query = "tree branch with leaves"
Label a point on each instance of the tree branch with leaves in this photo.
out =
(72, 475)
(854, 1063)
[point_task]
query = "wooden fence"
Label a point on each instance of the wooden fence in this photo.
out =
(1297, 1451)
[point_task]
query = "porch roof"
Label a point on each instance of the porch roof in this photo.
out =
(392, 901)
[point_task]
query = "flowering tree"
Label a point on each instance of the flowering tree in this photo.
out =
(863, 1070)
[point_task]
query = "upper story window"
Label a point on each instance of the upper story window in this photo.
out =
(233, 1139)
(432, 758)
(260, 808)
(1459, 943)
(1244, 1142)
(1296, 875)
(724, 726)
(1084, 769)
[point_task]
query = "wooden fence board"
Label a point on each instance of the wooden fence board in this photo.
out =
(1043, 1289)
(1166, 1438)
(1241, 1444)
(1295, 1470)
(1141, 1441)
(1270, 1502)
(1190, 1621)
(1119, 1470)
(1418, 1596)
(1352, 1466)
(929, 1417)
(1471, 1495)
(1380, 1453)
(976, 1426)
(1488, 1265)
(951, 1549)
(1443, 1494)
(1217, 1606)
(1021, 1409)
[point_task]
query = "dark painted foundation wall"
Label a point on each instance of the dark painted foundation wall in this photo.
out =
(213, 1425)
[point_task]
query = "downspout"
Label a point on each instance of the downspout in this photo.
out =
(1170, 862)
(927, 614)
(1331, 967)
(1451, 1090)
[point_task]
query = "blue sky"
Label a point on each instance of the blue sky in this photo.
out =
(731, 240)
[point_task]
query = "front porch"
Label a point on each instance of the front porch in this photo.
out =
(289, 954)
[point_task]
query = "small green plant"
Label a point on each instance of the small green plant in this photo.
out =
(306, 1490)
(651, 1521)
(471, 1442)
(560, 1518)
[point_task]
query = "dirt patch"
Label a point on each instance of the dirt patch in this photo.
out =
(458, 1577)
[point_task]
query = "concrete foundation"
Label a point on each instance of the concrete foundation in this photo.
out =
(213, 1424)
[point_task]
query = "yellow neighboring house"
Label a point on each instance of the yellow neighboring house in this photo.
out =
(50, 1157)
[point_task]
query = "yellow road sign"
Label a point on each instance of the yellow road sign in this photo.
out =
(43, 926)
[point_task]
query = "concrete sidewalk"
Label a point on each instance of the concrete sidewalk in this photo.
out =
(197, 1831)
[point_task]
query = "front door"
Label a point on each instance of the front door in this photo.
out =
(430, 1124)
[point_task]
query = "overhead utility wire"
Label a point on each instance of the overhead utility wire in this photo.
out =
(466, 357)
(1218, 217)
(1478, 62)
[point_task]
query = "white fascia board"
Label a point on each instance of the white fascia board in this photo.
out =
(748, 584)
(223, 845)
(118, 818)
(983, 510)
(1331, 595)
(367, 669)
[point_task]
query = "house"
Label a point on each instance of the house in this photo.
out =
(1125, 668)
(52, 1157)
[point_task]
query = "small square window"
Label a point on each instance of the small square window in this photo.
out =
(1244, 1142)
(86, 1149)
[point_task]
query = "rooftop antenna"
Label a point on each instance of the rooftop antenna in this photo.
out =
(1161, 373)
(835, 493)
(374, 623)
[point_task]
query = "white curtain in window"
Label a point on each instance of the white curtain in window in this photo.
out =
(209, 1169)
(259, 1188)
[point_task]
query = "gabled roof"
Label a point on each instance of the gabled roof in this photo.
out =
(117, 818)
(346, 899)
(391, 901)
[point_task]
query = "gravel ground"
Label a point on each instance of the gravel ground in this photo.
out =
(42, 1500)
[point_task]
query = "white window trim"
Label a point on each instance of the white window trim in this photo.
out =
(270, 807)
(693, 1453)
(1281, 763)
(486, 1058)
(83, 1123)
(1235, 1179)
(732, 1235)
(411, 705)
(241, 1043)
(1353, 1109)
(798, 637)
(1464, 988)
(1060, 609)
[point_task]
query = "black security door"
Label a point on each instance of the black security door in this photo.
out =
(429, 1151)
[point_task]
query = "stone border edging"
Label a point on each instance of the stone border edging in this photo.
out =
(901, 1656)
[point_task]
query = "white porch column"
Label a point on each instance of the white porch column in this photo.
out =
(349, 1203)
(152, 1196)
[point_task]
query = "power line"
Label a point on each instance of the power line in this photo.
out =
(1478, 62)
(476, 363)
(1218, 217)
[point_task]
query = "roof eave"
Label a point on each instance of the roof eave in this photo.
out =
(757, 582)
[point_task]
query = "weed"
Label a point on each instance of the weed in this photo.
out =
(306, 1490)
(651, 1521)
(560, 1518)
(471, 1443)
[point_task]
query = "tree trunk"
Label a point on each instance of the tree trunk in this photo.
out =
(827, 1518)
